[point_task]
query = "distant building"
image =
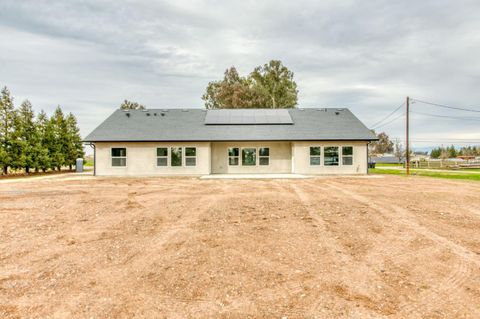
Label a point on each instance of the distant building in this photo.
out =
(466, 157)
(386, 160)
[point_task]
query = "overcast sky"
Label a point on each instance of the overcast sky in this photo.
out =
(88, 56)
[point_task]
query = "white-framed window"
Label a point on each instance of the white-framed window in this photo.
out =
(162, 156)
(119, 156)
(330, 155)
(249, 156)
(190, 156)
(233, 156)
(347, 155)
(264, 156)
(176, 156)
(315, 155)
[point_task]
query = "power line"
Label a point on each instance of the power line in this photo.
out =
(386, 117)
(447, 106)
(394, 119)
(449, 117)
(433, 139)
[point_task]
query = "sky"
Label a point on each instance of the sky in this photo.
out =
(88, 56)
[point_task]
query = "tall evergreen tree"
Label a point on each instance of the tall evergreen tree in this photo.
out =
(75, 147)
(58, 147)
(7, 124)
(436, 152)
(45, 136)
(17, 144)
(27, 135)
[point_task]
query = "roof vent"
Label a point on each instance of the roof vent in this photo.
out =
(148, 114)
(337, 113)
(126, 110)
(127, 114)
(154, 114)
(144, 110)
(162, 114)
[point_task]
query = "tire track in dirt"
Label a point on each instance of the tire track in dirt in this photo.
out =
(305, 200)
(143, 263)
(427, 300)
(458, 277)
(187, 221)
(377, 241)
(407, 219)
(332, 245)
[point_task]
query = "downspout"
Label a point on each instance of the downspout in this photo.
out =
(368, 143)
(92, 145)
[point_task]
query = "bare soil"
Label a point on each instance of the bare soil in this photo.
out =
(389, 247)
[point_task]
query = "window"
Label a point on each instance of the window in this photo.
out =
(347, 155)
(315, 155)
(263, 156)
(233, 155)
(176, 156)
(119, 156)
(162, 156)
(249, 156)
(331, 156)
(190, 156)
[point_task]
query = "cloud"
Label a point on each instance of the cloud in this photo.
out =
(90, 55)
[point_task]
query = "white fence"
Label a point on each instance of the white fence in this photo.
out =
(445, 164)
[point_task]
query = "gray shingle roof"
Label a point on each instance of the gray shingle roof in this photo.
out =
(189, 125)
(248, 116)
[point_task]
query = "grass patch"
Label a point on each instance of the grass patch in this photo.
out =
(470, 169)
(387, 164)
(448, 175)
(88, 163)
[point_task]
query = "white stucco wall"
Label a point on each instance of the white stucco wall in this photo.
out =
(301, 158)
(142, 159)
(285, 157)
(279, 162)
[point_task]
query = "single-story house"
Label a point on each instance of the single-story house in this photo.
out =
(387, 160)
(223, 141)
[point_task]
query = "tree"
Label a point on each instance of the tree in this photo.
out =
(444, 153)
(7, 124)
(435, 152)
(27, 136)
(74, 147)
(275, 81)
(41, 143)
(383, 145)
(232, 92)
(45, 136)
(270, 86)
(129, 105)
(451, 152)
(399, 151)
(58, 144)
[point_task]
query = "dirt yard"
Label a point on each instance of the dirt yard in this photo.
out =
(187, 248)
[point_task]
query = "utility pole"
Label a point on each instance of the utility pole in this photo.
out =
(407, 140)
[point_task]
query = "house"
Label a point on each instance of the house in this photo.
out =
(199, 142)
(387, 159)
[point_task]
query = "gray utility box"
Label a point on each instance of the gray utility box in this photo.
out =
(79, 165)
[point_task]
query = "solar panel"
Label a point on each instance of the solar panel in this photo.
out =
(247, 116)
